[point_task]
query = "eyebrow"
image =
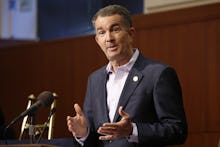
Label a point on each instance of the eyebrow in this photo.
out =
(113, 25)
(100, 28)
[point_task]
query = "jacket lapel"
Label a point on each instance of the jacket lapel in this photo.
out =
(103, 96)
(131, 83)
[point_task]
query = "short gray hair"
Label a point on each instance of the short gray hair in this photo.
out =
(112, 10)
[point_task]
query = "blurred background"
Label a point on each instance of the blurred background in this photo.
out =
(52, 19)
(49, 45)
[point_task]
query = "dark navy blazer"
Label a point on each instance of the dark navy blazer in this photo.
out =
(154, 103)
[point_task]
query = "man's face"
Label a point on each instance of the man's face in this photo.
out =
(113, 37)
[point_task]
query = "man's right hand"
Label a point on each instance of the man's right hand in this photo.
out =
(77, 124)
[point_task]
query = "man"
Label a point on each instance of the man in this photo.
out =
(133, 101)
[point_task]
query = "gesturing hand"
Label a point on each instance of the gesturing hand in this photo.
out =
(77, 124)
(111, 131)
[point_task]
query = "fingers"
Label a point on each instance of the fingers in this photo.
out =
(73, 120)
(108, 129)
(123, 114)
(77, 124)
(78, 110)
(123, 128)
(69, 123)
(107, 137)
(109, 133)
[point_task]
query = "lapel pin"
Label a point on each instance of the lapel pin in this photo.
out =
(135, 78)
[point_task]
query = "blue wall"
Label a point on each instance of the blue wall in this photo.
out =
(68, 18)
(134, 6)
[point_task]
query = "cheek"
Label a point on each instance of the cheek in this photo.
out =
(125, 41)
(100, 42)
(102, 46)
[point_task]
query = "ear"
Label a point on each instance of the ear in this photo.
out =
(132, 31)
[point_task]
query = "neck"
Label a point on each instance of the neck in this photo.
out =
(116, 63)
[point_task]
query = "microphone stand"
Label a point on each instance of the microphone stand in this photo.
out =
(32, 128)
(5, 135)
(52, 111)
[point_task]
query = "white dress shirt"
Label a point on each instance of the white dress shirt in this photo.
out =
(115, 85)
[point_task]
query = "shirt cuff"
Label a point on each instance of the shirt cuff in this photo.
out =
(134, 136)
(82, 139)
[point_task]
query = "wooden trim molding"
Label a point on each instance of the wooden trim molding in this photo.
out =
(186, 15)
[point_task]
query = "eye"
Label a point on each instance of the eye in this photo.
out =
(116, 29)
(100, 32)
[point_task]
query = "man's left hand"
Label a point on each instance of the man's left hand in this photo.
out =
(123, 128)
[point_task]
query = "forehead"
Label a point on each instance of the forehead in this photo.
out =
(108, 21)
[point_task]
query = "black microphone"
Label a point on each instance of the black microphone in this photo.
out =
(45, 99)
(52, 111)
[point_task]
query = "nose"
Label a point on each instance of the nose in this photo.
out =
(109, 37)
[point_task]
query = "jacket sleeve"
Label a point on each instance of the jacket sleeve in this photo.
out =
(88, 110)
(171, 126)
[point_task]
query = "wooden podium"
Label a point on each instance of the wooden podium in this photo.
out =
(56, 142)
(28, 145)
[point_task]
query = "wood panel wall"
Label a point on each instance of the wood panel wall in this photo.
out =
(187, 39)
(60, 66)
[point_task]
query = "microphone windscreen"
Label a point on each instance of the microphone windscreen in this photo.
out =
(46, 98)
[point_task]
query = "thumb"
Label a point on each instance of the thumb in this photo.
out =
(122, 113)
(78, 110)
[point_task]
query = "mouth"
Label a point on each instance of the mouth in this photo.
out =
(112, 47)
